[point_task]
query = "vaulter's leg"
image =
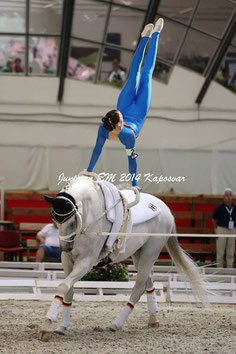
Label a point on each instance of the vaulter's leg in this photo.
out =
(128, 92)
(143, 96)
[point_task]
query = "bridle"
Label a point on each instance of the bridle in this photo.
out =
(66, 216)
(75, 210)
(61, 218)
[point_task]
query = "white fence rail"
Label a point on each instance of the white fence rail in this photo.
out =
(153, 234)
(25, 289)
(38, 281)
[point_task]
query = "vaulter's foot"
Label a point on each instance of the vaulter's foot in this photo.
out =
(147, 31)
(158, 25)
(138, 188)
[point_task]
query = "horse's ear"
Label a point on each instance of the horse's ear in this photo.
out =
(49, 199)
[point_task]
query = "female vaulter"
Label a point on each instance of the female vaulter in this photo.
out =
(124, 123)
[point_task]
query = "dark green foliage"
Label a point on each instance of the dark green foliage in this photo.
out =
(115, 272)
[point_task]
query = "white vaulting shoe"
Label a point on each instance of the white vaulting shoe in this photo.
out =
(158, 25)
(147, 31)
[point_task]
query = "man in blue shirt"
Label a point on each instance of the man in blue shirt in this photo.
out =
(224, 220)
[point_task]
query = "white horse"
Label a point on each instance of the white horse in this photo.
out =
(75, 207)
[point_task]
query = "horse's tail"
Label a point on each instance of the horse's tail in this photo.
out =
(188, 267)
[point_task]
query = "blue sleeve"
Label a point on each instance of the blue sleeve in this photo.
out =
(97, 149)
(130, 144)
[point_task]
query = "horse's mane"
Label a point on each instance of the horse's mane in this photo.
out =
(79, 185)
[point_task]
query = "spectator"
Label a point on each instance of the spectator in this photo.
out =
(48, 242)
(47, 68)
(224, 220)
(17, 67)
(8, 68)
(223, 76)
(118, 73)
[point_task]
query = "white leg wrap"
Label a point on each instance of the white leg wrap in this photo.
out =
(152, 303)
(53, 310)
(119, 322)
(65, 322)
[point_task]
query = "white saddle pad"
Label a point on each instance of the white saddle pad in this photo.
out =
(111, 195)
(145, 210)
(115, 215)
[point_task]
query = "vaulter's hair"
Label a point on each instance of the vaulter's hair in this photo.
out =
(111, 119)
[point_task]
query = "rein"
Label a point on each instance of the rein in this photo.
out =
(98, 218)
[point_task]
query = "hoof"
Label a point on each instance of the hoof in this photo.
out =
(114, 328)
(154, 325)
(60, 330)
(45, 336)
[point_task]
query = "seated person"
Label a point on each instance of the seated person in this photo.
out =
(17, 67)
(8, 68)
(48, 239)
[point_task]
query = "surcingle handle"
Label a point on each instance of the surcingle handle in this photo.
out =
(136, 200)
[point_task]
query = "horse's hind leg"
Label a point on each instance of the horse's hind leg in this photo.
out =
(152, 302)
(120, 320)
(151, 295)
(148, 255)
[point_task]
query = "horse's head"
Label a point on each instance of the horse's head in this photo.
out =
(67, 215)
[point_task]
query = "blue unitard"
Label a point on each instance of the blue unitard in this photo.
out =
(133, 103)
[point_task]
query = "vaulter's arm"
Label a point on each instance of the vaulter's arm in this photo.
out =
(97, 149)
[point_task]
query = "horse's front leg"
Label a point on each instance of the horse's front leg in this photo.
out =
(67, 304)
(81, 267)
(67, 301)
